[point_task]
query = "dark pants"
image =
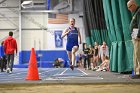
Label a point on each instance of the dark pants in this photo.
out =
(86, 62)
(10, 61)
(3, 62)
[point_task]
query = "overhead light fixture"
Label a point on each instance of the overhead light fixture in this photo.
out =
(27, 4)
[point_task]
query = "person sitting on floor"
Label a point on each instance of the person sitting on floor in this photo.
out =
(105, 65)
(103, 51)
(58, 63)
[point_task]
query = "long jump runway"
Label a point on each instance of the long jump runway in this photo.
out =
(66, 75)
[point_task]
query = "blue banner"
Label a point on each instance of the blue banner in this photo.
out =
(58, 39)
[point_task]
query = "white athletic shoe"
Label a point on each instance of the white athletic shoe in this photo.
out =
(10, 72)
(8, 69)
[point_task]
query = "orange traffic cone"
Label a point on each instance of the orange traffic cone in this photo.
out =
(32, 68)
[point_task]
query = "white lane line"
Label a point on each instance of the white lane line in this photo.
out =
(82, 71)
(63, 72)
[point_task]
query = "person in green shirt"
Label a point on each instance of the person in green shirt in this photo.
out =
(135, 28)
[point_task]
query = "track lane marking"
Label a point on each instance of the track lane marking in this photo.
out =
(82, 71)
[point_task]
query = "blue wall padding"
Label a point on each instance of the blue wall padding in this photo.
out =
(47, 57)
(20, 57)
(24, 57)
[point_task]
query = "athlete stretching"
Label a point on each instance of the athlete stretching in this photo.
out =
(73, 34)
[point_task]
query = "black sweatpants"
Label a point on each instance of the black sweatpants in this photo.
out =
(3, 62)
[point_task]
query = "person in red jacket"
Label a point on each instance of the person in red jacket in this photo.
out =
(10, 46)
